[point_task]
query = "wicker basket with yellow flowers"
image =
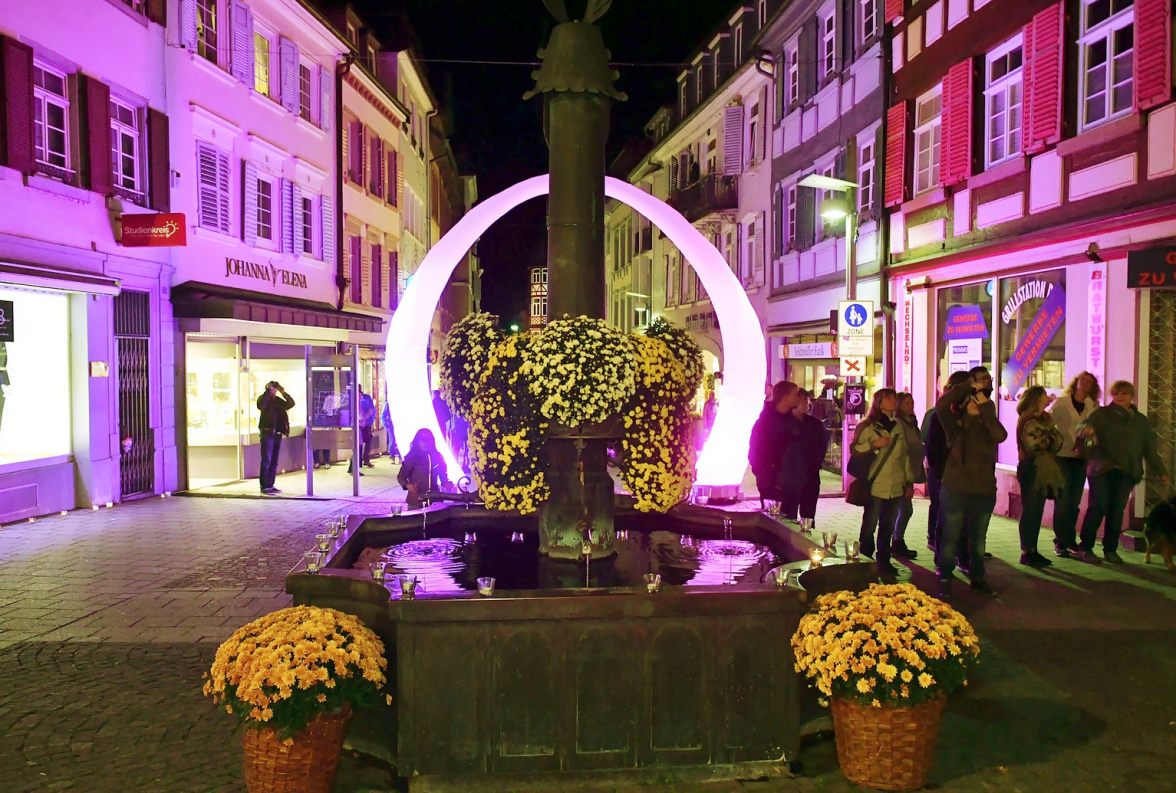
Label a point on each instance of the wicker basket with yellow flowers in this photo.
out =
(885, 658)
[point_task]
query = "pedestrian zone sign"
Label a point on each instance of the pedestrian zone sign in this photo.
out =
(855, 329)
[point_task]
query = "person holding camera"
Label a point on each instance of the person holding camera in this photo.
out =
(973, 432)
(888, 439)
(273, 424)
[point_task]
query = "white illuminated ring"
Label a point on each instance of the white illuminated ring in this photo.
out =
(724, 458)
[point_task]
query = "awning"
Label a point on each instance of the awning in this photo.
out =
(38, 277)
(207, 302)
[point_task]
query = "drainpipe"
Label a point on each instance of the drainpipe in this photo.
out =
(428, 135)
(340, 274)
(888, 334)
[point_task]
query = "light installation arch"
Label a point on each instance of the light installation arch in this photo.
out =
(724, 458)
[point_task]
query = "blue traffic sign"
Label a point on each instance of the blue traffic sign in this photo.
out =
(856, 315)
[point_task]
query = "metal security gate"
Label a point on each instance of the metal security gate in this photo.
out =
(1162, 384)
(132, 332)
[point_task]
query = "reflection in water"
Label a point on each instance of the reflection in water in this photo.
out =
(713, 562)
(435, 562)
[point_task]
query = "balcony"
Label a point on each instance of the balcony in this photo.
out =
(712, 194)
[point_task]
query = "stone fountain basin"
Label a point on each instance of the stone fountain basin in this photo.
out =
(533, 682)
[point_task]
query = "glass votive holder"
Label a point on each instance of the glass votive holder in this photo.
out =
(780, 577)
(470, 538)
(516, 536)
(408, 586)
(852, 549)
(379, 569)
(486, 586)
(333, 528)
(653, 582)
(622, 534)
(323, 541)
(816, 557)
(397, 509)
(830, 541)
(586, 549)
(314, 562)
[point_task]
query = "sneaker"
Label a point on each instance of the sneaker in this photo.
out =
(1041, 560)
(327, 466)
(945, 588)
(1087, 555)
(274, 490)
(1064, 553)
(903, 552)
(368, 465)
(1113, 557)
(981, 586)
(268, 491)
(1030, 559)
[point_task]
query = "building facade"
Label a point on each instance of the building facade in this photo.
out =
(85, 324)
(537, 317)
(1030, 151)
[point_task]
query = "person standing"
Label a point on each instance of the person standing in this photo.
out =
(1038, 442)
(810, 442)
(935, 453)
(441, 409)
(1123, 440)
(770, 442)
(1075, 406)
(968, 490)
(367, 417)
(710, 409)
(890, 474)
(393, 450)
(423, 469)
(273, 424)
(914, 446)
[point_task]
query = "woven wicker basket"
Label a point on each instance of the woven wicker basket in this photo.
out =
(886, 748)
(308, 766)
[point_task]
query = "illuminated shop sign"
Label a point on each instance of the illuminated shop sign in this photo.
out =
(163, 230)
(7, 321)
(1151, 269)
(264, 272)
(1034, 290)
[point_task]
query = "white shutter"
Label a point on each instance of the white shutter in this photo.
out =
(249, 204)
(242, 33)
(288, 53)
(326, 102)
(761, 126)
(188, 24)
(327, 251)
(296, 203)
(758, 273)
(288, 217)
(673, 174)
(732, 140)
(224, 191)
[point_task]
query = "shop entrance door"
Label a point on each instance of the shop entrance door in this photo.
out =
(132, 333)
(212, 394)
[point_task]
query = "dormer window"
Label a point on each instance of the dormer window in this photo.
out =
(738, 51)
(698, 82)
(762, 13)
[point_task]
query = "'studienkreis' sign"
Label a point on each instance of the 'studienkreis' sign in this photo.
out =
(276, 276)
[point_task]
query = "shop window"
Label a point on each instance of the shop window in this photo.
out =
(34, 376)
(965, 327)
(1032, 333)
(285, 364)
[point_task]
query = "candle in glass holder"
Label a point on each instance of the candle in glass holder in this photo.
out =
(816, 557)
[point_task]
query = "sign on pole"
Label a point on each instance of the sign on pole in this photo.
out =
(853, 366)
(855, 330)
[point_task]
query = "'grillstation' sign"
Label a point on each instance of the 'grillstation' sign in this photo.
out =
(277, 276)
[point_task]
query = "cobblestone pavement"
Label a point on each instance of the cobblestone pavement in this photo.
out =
(108, 618)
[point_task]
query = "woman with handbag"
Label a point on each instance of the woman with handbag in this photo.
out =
(909, 423)
(1038, 442)
(1074, 406)
(881, 441)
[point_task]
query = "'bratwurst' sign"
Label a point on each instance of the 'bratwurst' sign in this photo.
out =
(276, 276)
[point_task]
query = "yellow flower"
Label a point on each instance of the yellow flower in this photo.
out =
(907, 676)
(925, 680)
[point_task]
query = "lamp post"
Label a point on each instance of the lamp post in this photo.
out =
(836, 207)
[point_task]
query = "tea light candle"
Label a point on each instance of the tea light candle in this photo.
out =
(816, 557)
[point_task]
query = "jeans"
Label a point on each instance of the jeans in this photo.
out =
(271, 444)
(1069, 501)
(322, 456)
(1108, 498)
(935, 511)
(879, 518)
(1032, 506)
(965, 521)
(810, 493)
(365, 448)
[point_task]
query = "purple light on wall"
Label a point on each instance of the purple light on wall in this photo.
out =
(723, 460)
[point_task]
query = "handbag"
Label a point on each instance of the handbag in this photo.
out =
(858, 492)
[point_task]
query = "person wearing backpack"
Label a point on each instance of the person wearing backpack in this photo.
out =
(884, 437)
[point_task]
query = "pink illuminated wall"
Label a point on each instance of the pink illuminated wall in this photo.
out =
(723, 460)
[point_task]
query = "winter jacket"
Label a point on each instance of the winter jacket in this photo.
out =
(934, 444)
(972, 442)
(425, 469)
(273, 412)
(1123, 440)
(771, 442)
(1038, 441)
(891, 470)
(1067, 419)
(914, 445)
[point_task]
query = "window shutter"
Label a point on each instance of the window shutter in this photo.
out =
(732, 140)
(288, 53)
(390, 184)
(242, 27)
(366, 266)
(399, 184)
(98, 142)
(327, 237)
(848, 13)
(188, 24)
(806, 219)
(207, 182)
(19, 152)
(157, 11)
(224, 195)
(876, 188)
(841, 165)
(159, 151)
(383, 166)
(377, 276)
(673, 174)
(296, 212)
(956, 141)
(288, 217)
(893, 10)
(777, 223)
(762, 126)
(249, 203)
(393, 279)
(896, 140)
(1153, 53)
(760, 246)
(684, 169)
(807, 60)
(1041, 122)
(326, 103)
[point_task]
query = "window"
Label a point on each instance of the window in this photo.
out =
(682, 98)
(827, 228)
(212, 206)
(352, 35)
(752, 125)
(698, 82)
(869, 20)
(206, 27)
(828, 45)
(715, 61)
(1002, 102)
(747, 261)
(376, 180)
(1106, 46)
(865, 177)
(51, 117)
(355, 153)
(793, 76)
(356, 270)
(763, 13)
(964, 320)
(738, 45)
(124, 147)
(927, 116)
(266, 204)
(304, 91)
(305, 219)
(261, 64)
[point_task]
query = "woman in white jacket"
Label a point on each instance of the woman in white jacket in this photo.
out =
(1068, 411)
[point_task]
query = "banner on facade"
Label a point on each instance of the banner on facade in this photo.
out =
(965, 322)
(7, 321)
(164, 230)
(1154, 268)
(825, 349)
(1033, 344)
(1096, 322)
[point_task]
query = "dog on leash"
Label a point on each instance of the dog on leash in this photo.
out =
(1160, 532)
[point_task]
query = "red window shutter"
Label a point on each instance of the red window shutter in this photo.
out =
(18, 150)
(1153, 53)
(893, 10)
(160, 164)
(1041, 123)
(956, 143)
(896, 135)
(98, 136)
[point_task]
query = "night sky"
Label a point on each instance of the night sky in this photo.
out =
(499, 137)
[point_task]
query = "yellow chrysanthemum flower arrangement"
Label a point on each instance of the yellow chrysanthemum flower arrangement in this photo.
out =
(581, 371)
(464, 357)
(282, 669)
(891, 645)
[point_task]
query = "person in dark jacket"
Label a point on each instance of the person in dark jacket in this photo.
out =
(442, 411)
(906, 416)
(423, 468)
(808, 443)
(1123, 439)
(935, 452)
(770, 441)
(1038, 472)
(273, 424)
(968, 490)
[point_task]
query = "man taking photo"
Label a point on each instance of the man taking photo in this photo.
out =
(273, 424)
